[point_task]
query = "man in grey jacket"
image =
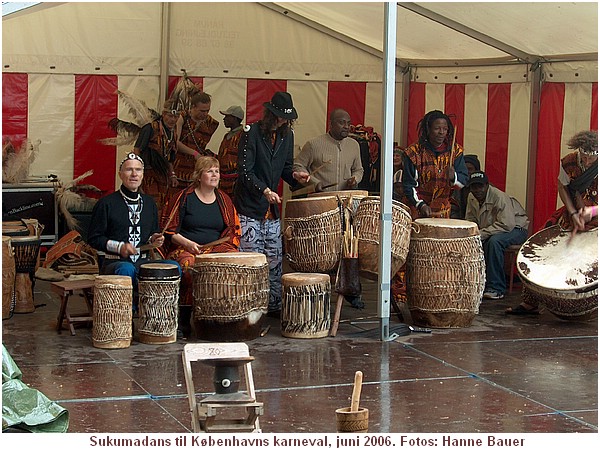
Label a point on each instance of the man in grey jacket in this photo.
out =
(502, 221)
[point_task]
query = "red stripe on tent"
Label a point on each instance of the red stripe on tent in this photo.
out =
(351, 96)
(198, 81)
(496, 141)
(259, 92)
(14, 108)
(416, 110)
(95, 105)
(547, 165)
(594, 115)
(455, 108)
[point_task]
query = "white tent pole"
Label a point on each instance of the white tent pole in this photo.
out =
(164, 53)
(385, 236)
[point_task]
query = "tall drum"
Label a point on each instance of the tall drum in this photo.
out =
(562, 272)
(445, 273)
(367, 220)
(305, 305)
(8, 278)
(231, 295)
(26, 250)
(312, 234)
(113, 300)
(158, 286)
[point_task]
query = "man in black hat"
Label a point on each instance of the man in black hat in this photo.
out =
(266, 155)
(502, 221)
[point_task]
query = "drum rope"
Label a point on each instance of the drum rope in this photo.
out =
(159, 301)
(306, 309)
(112, 312)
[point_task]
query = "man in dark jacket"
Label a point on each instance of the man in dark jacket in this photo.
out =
(266, 155)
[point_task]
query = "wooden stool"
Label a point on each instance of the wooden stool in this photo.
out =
(64, 289)
(510, 259)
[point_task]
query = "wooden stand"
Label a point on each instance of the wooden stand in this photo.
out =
(64, 289)
(205, 417)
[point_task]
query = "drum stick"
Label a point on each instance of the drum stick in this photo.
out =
(320, 167)
(358, 376)
(217, 242)
(452, 148)
(151, 246)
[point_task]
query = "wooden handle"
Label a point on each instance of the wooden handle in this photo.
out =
(356, 391)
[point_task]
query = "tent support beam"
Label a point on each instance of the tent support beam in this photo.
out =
(456, 26)
(534, 115)
(164, 54)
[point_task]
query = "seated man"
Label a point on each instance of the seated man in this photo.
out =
(123, 221)
(502, 221)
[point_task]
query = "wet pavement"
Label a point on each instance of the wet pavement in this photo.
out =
(503, 374)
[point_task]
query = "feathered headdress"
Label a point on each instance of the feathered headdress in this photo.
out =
(68, 199)
(184, 90)
(16, 164)
(127, 132)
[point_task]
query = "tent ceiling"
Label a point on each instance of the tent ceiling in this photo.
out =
(449, 33)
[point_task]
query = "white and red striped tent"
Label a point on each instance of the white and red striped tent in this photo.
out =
(519, 78)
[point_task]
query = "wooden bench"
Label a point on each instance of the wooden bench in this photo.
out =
(65, 289)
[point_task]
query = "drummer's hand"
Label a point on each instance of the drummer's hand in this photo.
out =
(578, 221)
(301, 177)
(194, 248)
(271, 196)
(127, 250)
(425, 211)
(158, 239)
(451, 175)
(351, 182)
(173, 181)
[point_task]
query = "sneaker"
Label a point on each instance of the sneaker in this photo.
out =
(493, 295)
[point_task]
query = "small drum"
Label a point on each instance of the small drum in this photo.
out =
(313, 234)
(305, 305)
(15, 228)
(562, 273)
(367, 220)
(158, 286)
(8, 278)
(26, 250)
(231, 295)
(445, 274)
(113, 300)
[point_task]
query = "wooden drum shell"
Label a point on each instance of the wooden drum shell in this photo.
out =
(231, 295)
(158, 286)
(445, 273)
(8, 277)
(561, 273)
(312, 234)
(112, 312)
(367, 222)
(305, 305)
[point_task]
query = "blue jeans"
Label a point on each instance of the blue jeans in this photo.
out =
(264, 236)
(493, 249)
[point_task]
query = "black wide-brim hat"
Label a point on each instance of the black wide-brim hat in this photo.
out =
(282, 106)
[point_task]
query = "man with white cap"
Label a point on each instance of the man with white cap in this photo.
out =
(228, 151)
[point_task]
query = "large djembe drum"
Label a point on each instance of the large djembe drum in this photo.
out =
(561, 272)
(231, 295)
(26, 251)
(158, 287)
(8, 278)
(305, 305)
(112, 312)
(367, 222)
(312, 234)
(445, 273)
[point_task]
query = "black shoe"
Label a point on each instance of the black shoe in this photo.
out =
(276, 314)
(355, 301)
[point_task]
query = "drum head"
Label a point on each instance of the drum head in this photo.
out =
(158, 270)
(342, 194)
(552, 260)
(304, 279)
(247, 259)
(299, 208)
(431, 227)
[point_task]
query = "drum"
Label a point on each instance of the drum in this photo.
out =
(367, 221)
(312, 234)
(305, 305)
(26, 250)
(445, 273)
(8, 278)
(113, 300)
(562, 273)
(350, 198)
(15, 228)
(158, 287)
(231, 295)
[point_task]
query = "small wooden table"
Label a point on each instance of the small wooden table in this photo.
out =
(64, 289)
